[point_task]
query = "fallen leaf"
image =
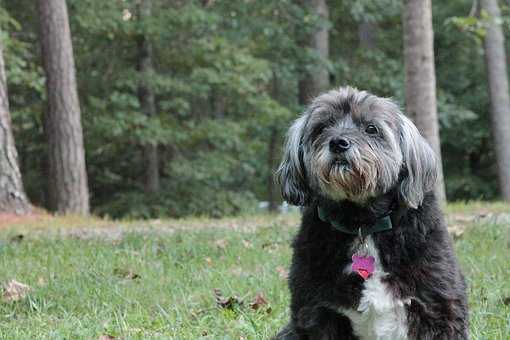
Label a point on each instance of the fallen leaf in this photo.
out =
(14, 291)
(208, 260)
(41, 282)
(197, 313)
(282, 272)
(258, 301)
(271, 245)
(247, 244)
(221, 244)
(226, 302)
(17, 238)
(126, 274)
(107, 337)
(456, 230)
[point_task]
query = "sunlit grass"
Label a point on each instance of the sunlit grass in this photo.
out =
(161, 285)
(478, 207)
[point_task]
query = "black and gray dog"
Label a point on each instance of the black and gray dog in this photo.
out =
(373, 259)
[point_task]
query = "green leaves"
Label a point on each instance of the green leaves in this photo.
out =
(471, 25)
(225, 84)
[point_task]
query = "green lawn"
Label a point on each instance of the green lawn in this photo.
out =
(159, 282)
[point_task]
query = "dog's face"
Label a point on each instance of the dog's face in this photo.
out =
(351, 145)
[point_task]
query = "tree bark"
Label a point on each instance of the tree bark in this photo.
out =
(495, 58)
(68, 188)
(271, 163)
(367, 35)
(272, 151)
(146, 97)
(316, 80)
(420, 82)
(12, 193)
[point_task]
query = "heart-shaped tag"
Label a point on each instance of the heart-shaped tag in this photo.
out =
(363, 265)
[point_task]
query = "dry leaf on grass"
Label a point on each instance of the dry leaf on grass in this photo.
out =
(17, 238)
(41, 282)
(271, 246)
(226, 302)
(247, 244)
(195, 314)
(208, 260)
(221, 244)
(107, 337)
(14, 291)
(282, 272)
(456, 230)
(126, 274)
(258, 301)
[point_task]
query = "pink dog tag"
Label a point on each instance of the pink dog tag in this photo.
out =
(363, 265)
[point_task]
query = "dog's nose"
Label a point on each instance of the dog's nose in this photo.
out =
(339, 145)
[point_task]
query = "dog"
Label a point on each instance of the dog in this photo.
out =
(372, 259)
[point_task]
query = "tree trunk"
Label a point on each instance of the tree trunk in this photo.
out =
(68, 188)
(495, 58)
(272, 151)
(12, 194)
(271, 163)
(420, 77)
(146, 97)
(367, 34)
(316, 80)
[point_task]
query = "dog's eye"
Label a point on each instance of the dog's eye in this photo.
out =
(371, 129)
(318, 130)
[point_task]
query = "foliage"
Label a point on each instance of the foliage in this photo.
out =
(225, 81)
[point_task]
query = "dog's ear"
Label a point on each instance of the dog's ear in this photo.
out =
(419, 164)
(291, 174)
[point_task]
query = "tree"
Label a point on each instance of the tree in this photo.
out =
(12, 193)
(316, 77)
(146, 95)
(420, 82)
(67, 177)
(367, 34)
(495, 59)
(219, 118)
(272, 147)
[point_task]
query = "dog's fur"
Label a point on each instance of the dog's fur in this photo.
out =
(417, 290)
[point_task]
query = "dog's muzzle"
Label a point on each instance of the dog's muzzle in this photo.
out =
(339, 145)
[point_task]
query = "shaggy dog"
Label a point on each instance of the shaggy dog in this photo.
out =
(373, 259)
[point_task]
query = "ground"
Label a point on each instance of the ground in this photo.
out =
(186, 279)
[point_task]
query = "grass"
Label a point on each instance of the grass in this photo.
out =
(147, 283)
(477, 207)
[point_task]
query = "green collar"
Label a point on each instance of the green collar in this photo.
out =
(382, 224)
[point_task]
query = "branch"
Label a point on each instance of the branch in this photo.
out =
(474, 8)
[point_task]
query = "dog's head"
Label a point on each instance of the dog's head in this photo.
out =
(352, 145)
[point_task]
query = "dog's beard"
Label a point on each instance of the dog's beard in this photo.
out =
(353, 175)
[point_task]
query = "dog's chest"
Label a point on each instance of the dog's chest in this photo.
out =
(379, 315)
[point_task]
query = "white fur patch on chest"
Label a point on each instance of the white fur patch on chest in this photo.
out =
(380, 315)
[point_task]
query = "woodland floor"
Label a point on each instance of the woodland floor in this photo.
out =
(85, 278)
